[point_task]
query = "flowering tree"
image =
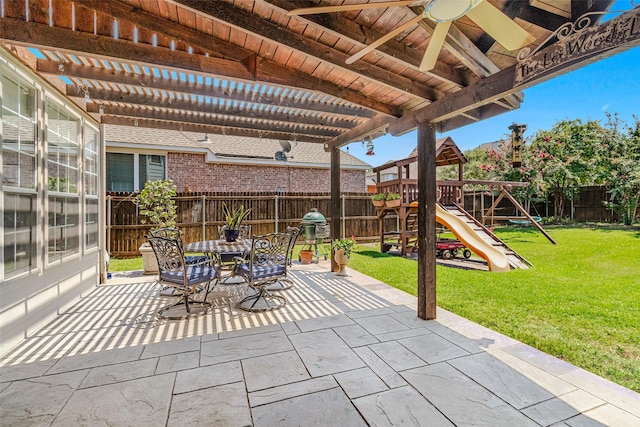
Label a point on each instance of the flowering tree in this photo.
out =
(564, 158)
(476, 158)
(619, 167)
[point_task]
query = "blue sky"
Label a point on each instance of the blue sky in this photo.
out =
(610, 85)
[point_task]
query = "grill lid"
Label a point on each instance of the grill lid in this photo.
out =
(314, 217)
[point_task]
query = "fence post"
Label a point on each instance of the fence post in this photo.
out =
(204, 217)
(276, 211)
(344, 226)
(109, 225)
(572, 209)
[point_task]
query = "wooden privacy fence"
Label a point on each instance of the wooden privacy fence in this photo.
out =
(200, 214)
(587, 206)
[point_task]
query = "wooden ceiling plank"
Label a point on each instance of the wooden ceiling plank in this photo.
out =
(361, 36)
(213, 45)
(62, 14)
(295, 116)
(142, 80)
(216, 120)
(32, 34)
(206, 128)
(244, 21)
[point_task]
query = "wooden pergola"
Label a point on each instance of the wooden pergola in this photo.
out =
(246, 67)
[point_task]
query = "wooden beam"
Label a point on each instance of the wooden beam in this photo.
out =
(102, 47)
(228, 14)
(483, 92)
(361, 36)
(98, 96)
(427, 221)
(263, 126)
(357, 133)
(482, 112)
(335, 201)
(151, 82)
(203, 128)
(141, 18)
(503, 83)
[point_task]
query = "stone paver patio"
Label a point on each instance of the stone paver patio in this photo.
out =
(342, 352)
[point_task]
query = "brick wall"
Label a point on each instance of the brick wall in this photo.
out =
(192, 171)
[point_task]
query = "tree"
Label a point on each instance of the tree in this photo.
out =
(619, 167)
(156, 205)
(562, 159)
(475, 168)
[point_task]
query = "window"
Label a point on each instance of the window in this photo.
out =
(91, 144)
(129, 172)
(19, 233)
(63, 181)
(49, 193)
(388, 176)
(18, 175)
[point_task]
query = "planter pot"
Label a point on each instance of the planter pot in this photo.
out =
(306, 257)
(149, 260)
(231, 235)
(378, 203)
(393, 203)
(342, 260)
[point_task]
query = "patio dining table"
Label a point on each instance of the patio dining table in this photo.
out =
(219, 247)
(221, 251)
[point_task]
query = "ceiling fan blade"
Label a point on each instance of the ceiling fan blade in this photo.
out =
(347, 7)
(499, 26)
(435, 45)
(384, 39)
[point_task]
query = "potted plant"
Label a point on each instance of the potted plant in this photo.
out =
(393, 200)
(342, 250)
(233, 219)
(378, 199)
(156, 207)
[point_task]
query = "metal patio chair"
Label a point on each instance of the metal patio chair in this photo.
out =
(171, 232)
(286, 283)
(185, 278)
(226, 259)
(265, 264)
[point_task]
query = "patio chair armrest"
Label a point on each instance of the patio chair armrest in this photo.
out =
(240, 260)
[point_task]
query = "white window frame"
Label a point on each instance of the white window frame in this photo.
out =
(137, 186)
(88, 195)
(32, 192)
(65, 196)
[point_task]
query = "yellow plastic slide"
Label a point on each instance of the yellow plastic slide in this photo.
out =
(496, 259)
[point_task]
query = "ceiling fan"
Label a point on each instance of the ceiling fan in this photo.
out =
(443, 12)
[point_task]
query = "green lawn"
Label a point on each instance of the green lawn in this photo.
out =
(580, 301)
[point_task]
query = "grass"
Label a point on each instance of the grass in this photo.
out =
(580, 302)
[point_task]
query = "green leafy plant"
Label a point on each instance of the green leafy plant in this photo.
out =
(346, 244)
(378, 196)
(156, 205)
(393, 196)
(235, 217)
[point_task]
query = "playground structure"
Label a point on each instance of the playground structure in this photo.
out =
(450, 213)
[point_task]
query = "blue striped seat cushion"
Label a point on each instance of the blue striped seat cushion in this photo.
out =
(260, 272)
(195, 274)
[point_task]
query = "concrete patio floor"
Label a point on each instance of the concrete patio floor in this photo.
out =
(342, 352)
